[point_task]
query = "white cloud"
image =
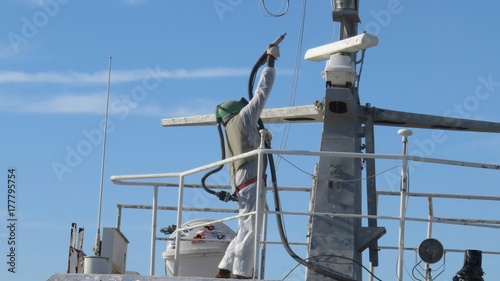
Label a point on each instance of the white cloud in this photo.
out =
(65, 103)
(117, 76)
(93, 102)
(71, 103)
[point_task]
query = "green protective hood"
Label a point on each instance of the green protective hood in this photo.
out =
(227, 109)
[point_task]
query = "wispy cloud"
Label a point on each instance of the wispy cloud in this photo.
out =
(65, 103)
(117, 76)
(94, 103)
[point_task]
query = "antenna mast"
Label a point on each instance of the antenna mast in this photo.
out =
(97, 247)
(336, 243)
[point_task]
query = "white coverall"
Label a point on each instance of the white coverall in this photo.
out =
(238, 257)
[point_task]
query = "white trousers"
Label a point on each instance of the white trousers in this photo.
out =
(239, 254)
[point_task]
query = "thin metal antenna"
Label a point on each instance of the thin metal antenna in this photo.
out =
(97, 248)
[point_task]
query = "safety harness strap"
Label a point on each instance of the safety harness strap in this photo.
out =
(245, 184)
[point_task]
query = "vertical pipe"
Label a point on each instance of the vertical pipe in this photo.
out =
(153, 231)
(371, 186)
(431, 216)
(372, 270)
(118, 216)
(428, 276)
(402, 212)
(72, 239)
(79, 244)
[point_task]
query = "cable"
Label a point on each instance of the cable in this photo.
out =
(295, 79)
(296, 167)
(356, 262)
(335, 26)
(413, 273)
(298, 55)
(362, 60)
(354, 180)
(263, 6)
(313, 257)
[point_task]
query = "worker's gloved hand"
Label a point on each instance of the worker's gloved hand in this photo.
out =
(273, 50)
(268, 137)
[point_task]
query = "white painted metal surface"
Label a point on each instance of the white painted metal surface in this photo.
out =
(298, 114)
(349, 45)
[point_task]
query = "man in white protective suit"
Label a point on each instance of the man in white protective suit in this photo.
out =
(240, 121)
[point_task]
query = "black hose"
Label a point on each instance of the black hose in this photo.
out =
(223, 152)
(223, 195)
(253, 74)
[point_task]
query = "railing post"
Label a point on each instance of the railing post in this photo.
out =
(153, 231)
(259, 197)
(264, 246)
(179, 224)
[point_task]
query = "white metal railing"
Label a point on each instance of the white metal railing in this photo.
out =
(145, 180)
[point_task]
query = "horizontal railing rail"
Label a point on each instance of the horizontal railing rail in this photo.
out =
(151, 180)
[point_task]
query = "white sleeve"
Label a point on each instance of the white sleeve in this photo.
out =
(252, 111)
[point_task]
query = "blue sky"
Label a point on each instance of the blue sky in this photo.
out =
(181, 58)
